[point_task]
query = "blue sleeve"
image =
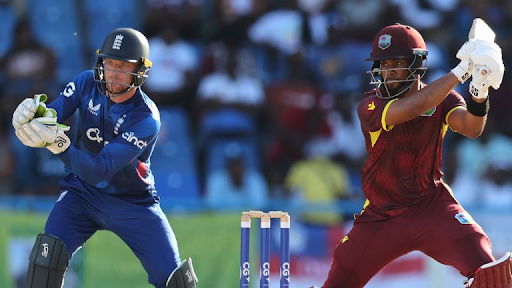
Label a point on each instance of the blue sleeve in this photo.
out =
(69, 99)
(137, 139)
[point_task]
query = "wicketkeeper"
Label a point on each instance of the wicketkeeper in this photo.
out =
(110, 185)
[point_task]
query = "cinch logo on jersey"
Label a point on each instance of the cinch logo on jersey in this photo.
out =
(119, 122)
(130, 137)
(93, 109)
(94, 135)
(118, 42)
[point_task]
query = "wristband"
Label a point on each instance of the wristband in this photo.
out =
(478, 109)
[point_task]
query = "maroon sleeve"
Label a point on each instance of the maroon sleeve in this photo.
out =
(452, 101)
(370, 111)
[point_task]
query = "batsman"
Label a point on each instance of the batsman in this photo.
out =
(110, 185)
(404, 121)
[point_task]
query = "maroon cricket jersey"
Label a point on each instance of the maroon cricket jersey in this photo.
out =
(404, 160)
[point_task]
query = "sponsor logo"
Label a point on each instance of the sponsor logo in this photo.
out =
(345, 239)
(62, 195)
(118, 42)
(190, 278)
(130, 137)
(94, 135)
(384, 41)
(69, 90)
(245, 271)
(45, 250)
(265, 271)
(285, 271)
(371, 106)
(464, 218)
(60, 141)
(119, 122)
(93, 109)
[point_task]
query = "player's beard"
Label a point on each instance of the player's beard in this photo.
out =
(399, 90)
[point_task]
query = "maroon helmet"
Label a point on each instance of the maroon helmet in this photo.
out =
(398, 41)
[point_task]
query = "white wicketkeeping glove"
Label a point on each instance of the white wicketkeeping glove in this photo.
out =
(38, 134)
(28, 109)
(488, 70)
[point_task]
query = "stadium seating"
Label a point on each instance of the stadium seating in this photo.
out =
(56, 25)
(174, 159)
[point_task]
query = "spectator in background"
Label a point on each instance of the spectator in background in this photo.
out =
(296, 115)
(496, 184)
(319, 181)
(345, 144)
(233, 17)
(230, 99)
(236, 186)
(27, 68)
(175, 61)
(186, 13)
(475, 156)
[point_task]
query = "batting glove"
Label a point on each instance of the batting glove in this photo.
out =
(488, 70)
(464, 68)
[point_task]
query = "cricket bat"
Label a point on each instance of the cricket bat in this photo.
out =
(480, 30)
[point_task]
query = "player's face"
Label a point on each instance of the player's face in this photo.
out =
(118, 74)
(394, 70)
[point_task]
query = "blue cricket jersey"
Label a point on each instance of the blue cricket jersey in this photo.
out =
(112, 151)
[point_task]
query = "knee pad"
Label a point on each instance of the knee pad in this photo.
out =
(48, 262)
(183, 276)
(497, 274)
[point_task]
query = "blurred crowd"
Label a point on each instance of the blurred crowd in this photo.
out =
(268, 89)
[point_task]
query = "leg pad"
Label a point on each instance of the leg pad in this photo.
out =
(183, 276)
(48, 262)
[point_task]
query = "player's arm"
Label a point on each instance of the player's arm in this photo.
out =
(116, 155)
(467, 124)
(407, 108)
(474, 55)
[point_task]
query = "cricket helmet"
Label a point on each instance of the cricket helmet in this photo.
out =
(124, 44)
(398, 41)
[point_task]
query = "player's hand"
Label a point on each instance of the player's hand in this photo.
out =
(488, 70)
(37, 134)
(464, 69)
(28, 109)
